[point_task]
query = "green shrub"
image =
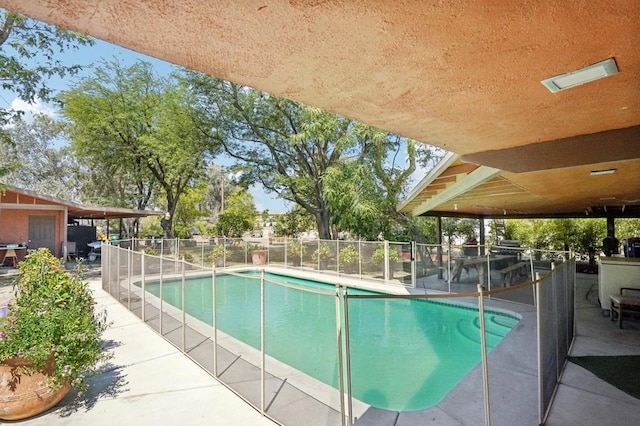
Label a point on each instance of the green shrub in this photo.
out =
(295, 249)
(348, 255)
(323, 252)
(150, 251)
(53, 317)
(217, 254)
(378, 255)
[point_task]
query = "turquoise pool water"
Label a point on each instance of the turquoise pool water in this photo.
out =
(405, 354)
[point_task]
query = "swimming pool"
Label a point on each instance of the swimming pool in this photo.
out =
(406, 354)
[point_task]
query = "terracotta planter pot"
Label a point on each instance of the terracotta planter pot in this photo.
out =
(23, 395)
(259, 257)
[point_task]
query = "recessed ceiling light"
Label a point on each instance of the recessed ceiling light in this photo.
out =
(602, 172)
(581, 76)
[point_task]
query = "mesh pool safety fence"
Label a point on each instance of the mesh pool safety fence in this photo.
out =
(368, 353)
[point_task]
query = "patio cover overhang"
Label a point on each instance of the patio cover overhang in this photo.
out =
(16, 198)
(458, 188)
(465, 76)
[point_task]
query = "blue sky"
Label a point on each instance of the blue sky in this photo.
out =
(87, 55)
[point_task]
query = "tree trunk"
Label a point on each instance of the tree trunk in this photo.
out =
(166, 227)
(324, 228)
(172, 204)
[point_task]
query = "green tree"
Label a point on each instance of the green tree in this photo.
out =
(29, 51)
(188, 211)
(239, 215)
(589, 236)
(356, 201)
(309, 156)
(457, 228)
(218, 184)
(534, 233)
(293, 223)
(37, 160)
(626, 228)
(285, 146)
(139, 128)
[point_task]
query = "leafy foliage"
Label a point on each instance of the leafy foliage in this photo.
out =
(579, 235)
(239, 215)
(137, 132)
(627, 228)
(348, 255)
(217, 253)
(378, 255)
(293, 223)
(307, 156)
(53, 315)
(188, 211)
(39, 163)
(295, 249)
(28, 56)
(458, 228)
(323, 252)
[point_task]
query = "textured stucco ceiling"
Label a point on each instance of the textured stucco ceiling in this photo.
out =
(462, 75)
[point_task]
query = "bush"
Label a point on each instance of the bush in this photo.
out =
(295, 249)
(348, 255)
(150, 251)
(378, 255)
(53, 316)
(217, 254)
(323, 252)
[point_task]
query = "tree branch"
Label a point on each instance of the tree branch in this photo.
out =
(7, 27)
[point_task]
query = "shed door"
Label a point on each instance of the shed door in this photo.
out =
(42, 232)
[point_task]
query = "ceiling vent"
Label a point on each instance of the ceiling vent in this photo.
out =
(581, 76)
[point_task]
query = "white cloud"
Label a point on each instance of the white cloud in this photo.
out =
(32, 109)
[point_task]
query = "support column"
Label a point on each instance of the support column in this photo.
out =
(439, 242)
(481, 235)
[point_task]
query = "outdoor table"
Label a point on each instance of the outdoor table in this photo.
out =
(480, 264)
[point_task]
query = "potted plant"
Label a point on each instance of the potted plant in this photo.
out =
(348, 257)
(258, 254)
(295, 251)
(50, 340)
(217, 255)
(321, 255)
(394, 258)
